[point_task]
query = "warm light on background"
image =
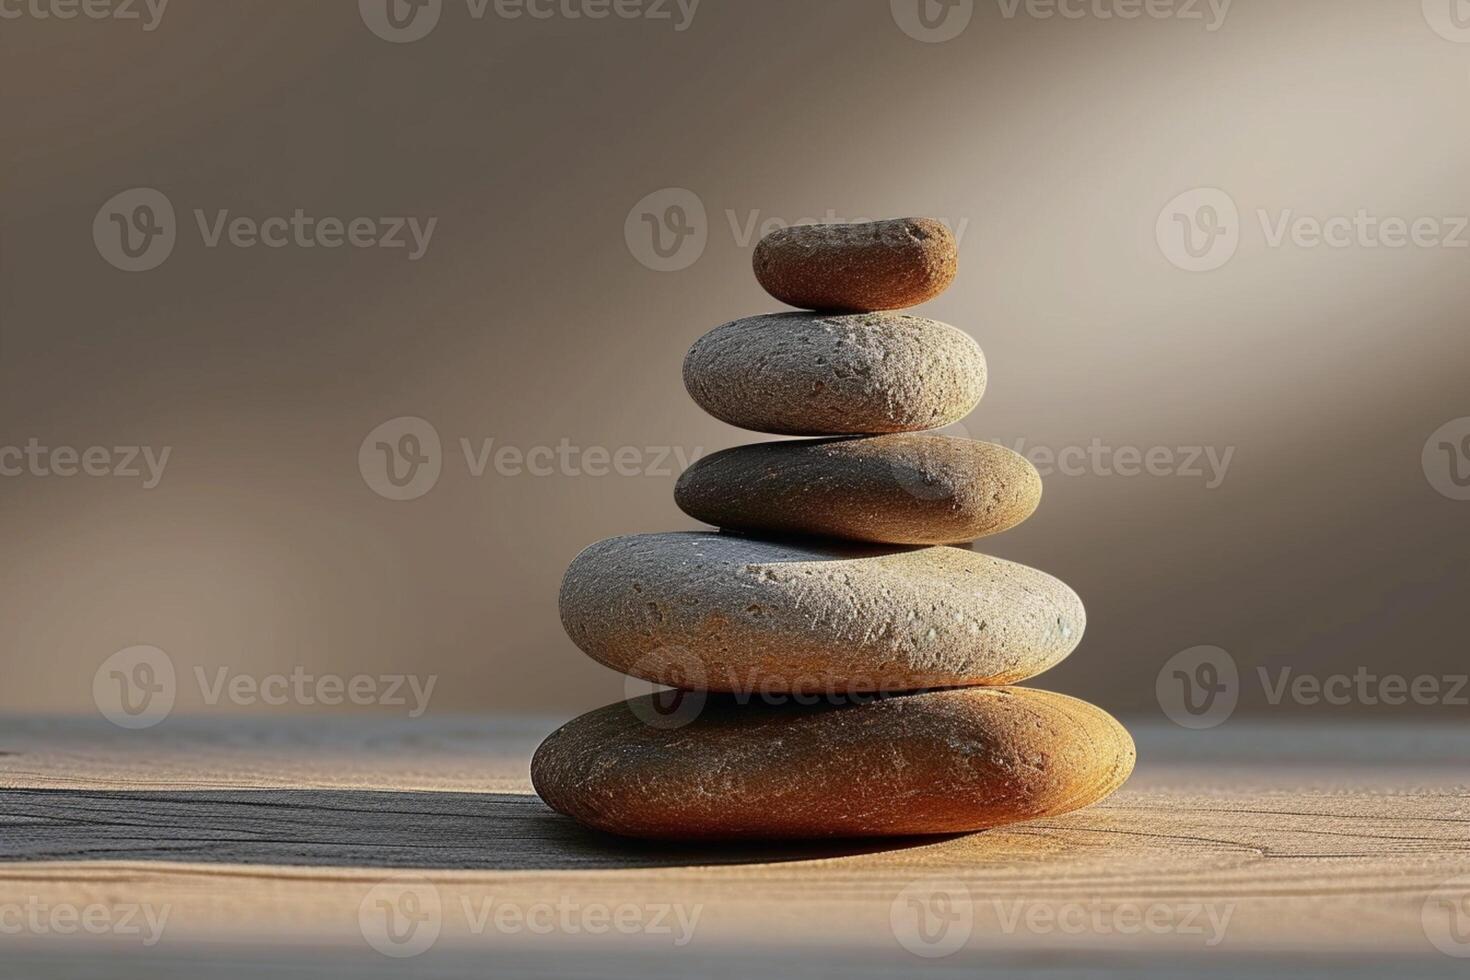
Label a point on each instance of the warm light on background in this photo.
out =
(1052, 145)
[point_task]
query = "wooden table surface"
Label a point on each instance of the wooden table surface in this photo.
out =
(306, 846)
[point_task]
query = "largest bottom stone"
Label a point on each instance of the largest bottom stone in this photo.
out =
(934, 762)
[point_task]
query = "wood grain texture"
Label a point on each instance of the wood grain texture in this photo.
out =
(1242, 850)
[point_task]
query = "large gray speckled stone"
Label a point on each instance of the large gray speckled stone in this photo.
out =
(707, 611)
(807, 374)
(897, 489)
(857, 267)
(933, 763)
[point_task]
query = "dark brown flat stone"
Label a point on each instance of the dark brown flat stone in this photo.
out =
(894, 489)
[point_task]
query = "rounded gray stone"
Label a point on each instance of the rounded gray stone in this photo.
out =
(718, 612)
(808, 374)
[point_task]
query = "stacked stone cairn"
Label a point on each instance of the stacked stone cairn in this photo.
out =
(840, 667)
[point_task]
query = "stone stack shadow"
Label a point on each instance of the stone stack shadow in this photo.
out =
(839, 668)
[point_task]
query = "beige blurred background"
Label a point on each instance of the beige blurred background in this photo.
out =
(1052, 143)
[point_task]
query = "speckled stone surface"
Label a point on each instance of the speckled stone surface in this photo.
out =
(860, 267)
(930, 763)
(897, 489)
(708, 611)
(808, 374)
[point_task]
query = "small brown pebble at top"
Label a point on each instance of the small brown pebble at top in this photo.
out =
(858, 268)
(937, 762)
